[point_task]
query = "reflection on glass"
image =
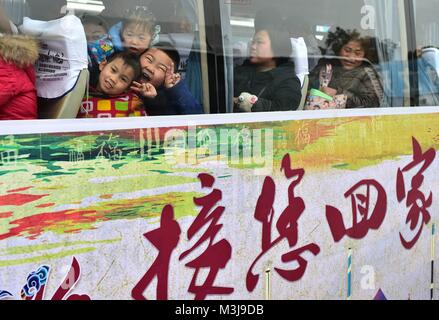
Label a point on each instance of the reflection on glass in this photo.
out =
(378, 77)
(427, 38)
(81, 37)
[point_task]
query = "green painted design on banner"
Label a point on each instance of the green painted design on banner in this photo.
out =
(44, 258)
(49, 246)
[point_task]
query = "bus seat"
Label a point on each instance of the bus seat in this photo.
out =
(304, 92)
(66, 107)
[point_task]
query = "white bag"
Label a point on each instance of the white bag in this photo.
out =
(300, 57)
(63, 54)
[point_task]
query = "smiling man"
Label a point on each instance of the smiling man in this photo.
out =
(159, 69)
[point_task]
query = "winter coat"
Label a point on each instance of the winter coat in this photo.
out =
(277, 90)
(177, 100)
(362, 85)
(98, 105)
(18, 96)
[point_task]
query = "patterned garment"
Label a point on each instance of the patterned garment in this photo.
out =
(99, 106)
(100, 49)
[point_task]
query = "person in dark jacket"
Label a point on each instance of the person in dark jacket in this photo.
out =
(159, 68)
(351, 77)
(267, 80)
(18, 95)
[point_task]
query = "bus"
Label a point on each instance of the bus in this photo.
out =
(330, 204)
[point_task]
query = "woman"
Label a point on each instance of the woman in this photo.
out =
(268, 76)
(350, 78)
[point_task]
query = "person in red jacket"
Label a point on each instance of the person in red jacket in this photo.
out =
(18, 95)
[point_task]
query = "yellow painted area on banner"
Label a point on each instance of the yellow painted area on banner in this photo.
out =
(355, 143)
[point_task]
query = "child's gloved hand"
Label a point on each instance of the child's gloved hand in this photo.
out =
(246, 101)
(145, 89)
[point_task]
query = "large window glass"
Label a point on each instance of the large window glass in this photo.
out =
(93, 58)
(249, 56)
(352, 54)
(427, 53)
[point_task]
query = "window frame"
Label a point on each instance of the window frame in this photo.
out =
(411, 52)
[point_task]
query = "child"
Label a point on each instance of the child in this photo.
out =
(136, 33)
(159, 70)
(110, 96)
(99, 43)
(18, 96)
(94, 26)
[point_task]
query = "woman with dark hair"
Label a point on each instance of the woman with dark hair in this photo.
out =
(267, 80)
(350, 77)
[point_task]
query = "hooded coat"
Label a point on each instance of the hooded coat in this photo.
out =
(362, 85)
(18, 97)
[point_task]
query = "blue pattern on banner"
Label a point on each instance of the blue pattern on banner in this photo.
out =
(4, 294)
(35, 280)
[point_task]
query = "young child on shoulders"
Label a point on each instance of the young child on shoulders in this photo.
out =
(136, 33)
(133, 35)
(110, 95)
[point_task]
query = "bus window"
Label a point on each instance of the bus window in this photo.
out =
(374, 73)
(174, 27)
(427, 38)
(179, 25)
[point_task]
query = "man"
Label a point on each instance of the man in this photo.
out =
(159, 66)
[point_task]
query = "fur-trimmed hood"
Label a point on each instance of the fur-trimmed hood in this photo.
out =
(18, 49)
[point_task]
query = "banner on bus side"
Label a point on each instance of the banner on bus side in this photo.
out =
(333, 208)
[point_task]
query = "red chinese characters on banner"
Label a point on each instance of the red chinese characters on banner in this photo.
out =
(368, 211)
(217, 255)
(165, 239)
(69, 282)
(287, 226)
(415, 199)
